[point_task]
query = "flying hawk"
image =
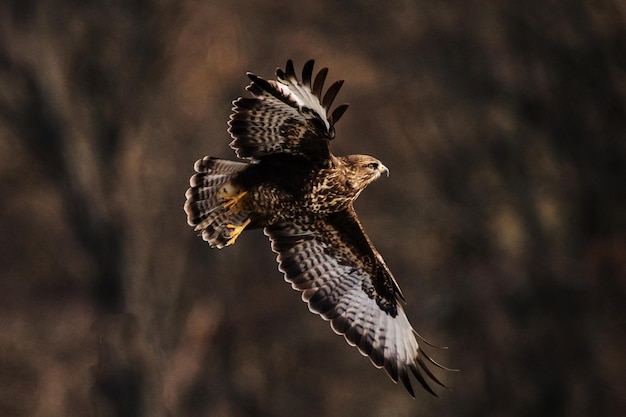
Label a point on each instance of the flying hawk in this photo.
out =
(290, 184)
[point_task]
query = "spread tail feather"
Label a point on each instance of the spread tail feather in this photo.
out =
(215, 205)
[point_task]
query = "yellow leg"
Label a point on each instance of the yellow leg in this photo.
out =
(231, 202)
(236, 231)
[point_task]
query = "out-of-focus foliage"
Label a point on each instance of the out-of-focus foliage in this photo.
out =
(504, 218)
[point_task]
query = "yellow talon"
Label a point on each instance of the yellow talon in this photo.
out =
(232, 201)
(236, 231)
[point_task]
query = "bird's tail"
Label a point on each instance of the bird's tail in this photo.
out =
(215, 204)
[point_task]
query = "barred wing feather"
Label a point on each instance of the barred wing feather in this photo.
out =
(285, 115)
(323, 263)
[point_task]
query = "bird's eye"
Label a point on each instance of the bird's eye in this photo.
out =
(373, 165)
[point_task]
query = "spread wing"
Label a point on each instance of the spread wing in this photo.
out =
(345, 280)
(286, 115)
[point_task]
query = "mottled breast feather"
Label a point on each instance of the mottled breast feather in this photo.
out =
(290, 184)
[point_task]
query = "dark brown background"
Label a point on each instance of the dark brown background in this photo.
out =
(502, 123)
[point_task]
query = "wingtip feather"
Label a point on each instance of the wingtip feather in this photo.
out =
(307, 72)
(318, 84)
(290, 70)
(338, 112)
(331, 93)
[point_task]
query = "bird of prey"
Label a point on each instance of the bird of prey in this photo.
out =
(289, 183)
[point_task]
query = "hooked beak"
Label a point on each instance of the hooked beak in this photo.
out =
(383, 170)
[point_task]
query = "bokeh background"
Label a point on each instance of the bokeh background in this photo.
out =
(504, 219)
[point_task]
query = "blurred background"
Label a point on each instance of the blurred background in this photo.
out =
(504, 218)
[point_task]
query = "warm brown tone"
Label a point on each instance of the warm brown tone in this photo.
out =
(502, 123)
(303, 196)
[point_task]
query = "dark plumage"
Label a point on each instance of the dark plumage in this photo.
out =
(291, 185)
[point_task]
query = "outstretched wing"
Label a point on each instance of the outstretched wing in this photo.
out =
(345, 280)
(286, 115)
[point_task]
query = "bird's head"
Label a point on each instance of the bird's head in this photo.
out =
(360, 171)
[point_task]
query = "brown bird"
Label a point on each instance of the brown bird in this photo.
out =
(291, 185)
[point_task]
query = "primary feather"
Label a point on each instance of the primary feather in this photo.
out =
(291, 185)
